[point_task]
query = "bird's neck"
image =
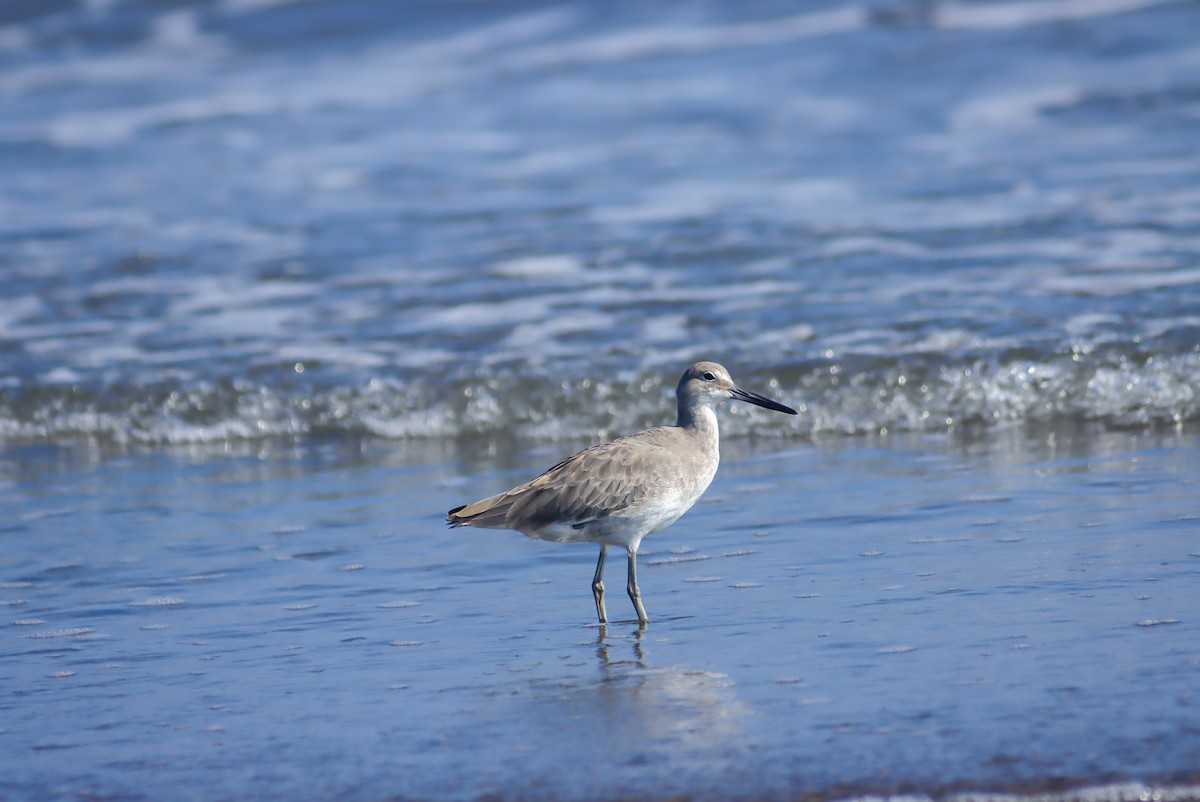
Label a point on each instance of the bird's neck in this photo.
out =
(701, 419)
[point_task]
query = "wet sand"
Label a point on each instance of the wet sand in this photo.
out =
(925, 615)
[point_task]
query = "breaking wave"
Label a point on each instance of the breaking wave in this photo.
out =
(859, 396)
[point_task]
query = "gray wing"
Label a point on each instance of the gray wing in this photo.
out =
(589, 486)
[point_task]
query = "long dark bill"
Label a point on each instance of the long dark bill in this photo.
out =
(760, 400)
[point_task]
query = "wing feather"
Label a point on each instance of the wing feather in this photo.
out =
(591, 485)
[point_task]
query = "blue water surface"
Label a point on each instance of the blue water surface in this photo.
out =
(916, 615)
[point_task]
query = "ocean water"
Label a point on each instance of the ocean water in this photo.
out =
(247, 219)
(281, 281)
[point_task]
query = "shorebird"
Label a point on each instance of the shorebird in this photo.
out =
(617, 493)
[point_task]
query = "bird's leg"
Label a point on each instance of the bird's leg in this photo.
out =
(635, 595)
(598, 586)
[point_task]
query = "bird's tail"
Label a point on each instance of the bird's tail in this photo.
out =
(451, 519)
(490, 513)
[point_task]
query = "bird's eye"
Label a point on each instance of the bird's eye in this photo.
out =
(708, 377)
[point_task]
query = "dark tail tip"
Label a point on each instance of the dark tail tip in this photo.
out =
(451, 520)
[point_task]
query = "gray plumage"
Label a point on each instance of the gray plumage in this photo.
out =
(617, 493)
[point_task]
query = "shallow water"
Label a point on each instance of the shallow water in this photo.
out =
(921, 614)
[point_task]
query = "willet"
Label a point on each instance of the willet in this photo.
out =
(614, 494)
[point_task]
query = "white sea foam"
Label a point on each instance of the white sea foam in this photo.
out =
(1012, 109)
(115, 125)
(693, 198)
(516, 31)
(1031, 12)
(551, 161)
(14, 38)
(482, 315)
(157, 601)
(1114, 283)
(665, 40)
(854, 245)
(179, 31)
(70, 632)
(537, 338)
(1115, 792)
(540, 267)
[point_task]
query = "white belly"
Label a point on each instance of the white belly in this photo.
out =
(628, 527)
